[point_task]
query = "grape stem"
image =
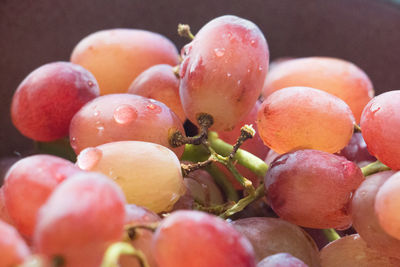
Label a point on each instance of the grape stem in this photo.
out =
(130, 229)
(205, 121)
(117, 249)
(184, 31)
(331, 234)
(357, 128)
(374, 167)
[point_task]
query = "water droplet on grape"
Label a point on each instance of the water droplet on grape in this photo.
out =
(228, 74)
(125, 114)
(96, 113)
(153, 107)
(375, 108)
(90, 83)
(260, 68)
(219, 52)
(253, 43)
(89, 157)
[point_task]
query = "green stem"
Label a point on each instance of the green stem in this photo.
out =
(248, 160)
(331, 234)
(195, 153)
(374, 167)
(117, 249)
(258, 193)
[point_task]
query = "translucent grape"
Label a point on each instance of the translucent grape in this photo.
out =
(281, 260)
(197, 239)
(81, 218)
(271, 235)
(215, 76)
(160, 83)
(149, 174)
(45, 101)
(13, 249)
(365, 220)
(380, 123)
(312, 188)
(353, 251)
(29, 183)
(387, 205)
(142, 239)
(120, 117)
(332, 75)
(303, 117)
(117, 56)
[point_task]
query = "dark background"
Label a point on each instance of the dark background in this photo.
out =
(35, 32)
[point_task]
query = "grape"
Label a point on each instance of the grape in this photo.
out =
(303, 117)
(197, 239)
(4, 216)
(149, 174)
(254, 145)
(216, 77)
(312, 188)
(380, 123)
(271, 156)
(356, 151)
(365, 220)
(332, 75)
(44, 103)
(387, 205)
(271, 235)
(119, 117)
(81, 218)
(281, 260)
(117, 56)
(135, 215)
(13, 249)
(37, 261)
(160, 83)
(353, 251)
(29, 183)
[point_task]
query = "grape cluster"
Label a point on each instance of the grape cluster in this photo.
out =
(325, 155)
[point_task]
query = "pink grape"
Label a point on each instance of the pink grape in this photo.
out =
(387, 205)
(281, 260)
(215, 76)
(365, 220)
(13, 249)
(45, 101)
(29, 183)
(332, 75)
(135, 215)
(271, 235)
(352, 250)
(80, 219)
(149, 174)
(356, 151)
(303, 117)
(4, 216)
(312, 188)
(120, 117)
(380, 123)
(117, 56)
(197, 239)
(160, 83)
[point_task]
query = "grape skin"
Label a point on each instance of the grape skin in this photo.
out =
(312, 188)
(380, 123)
(13, 249)
(352, 250)
(281, 260)
(149, 174)
(303, 117)
(81, 218)
(215, 76)
(332, 75)
(45, 101)
(120, 117)
(160, 83)
(197, 239)
(271, 235)
(117, 56)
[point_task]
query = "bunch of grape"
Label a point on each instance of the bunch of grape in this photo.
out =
(325, 155)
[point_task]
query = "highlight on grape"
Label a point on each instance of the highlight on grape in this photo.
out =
(213, 156)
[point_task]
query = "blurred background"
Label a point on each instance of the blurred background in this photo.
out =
(35, 32)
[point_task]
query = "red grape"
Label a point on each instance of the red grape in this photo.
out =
(44, 103)
(312, 188)
(216, 77)
(380, 123)
(197, 239)
(117, 56)
(281, 260)
(13, 249)
(356, 151)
